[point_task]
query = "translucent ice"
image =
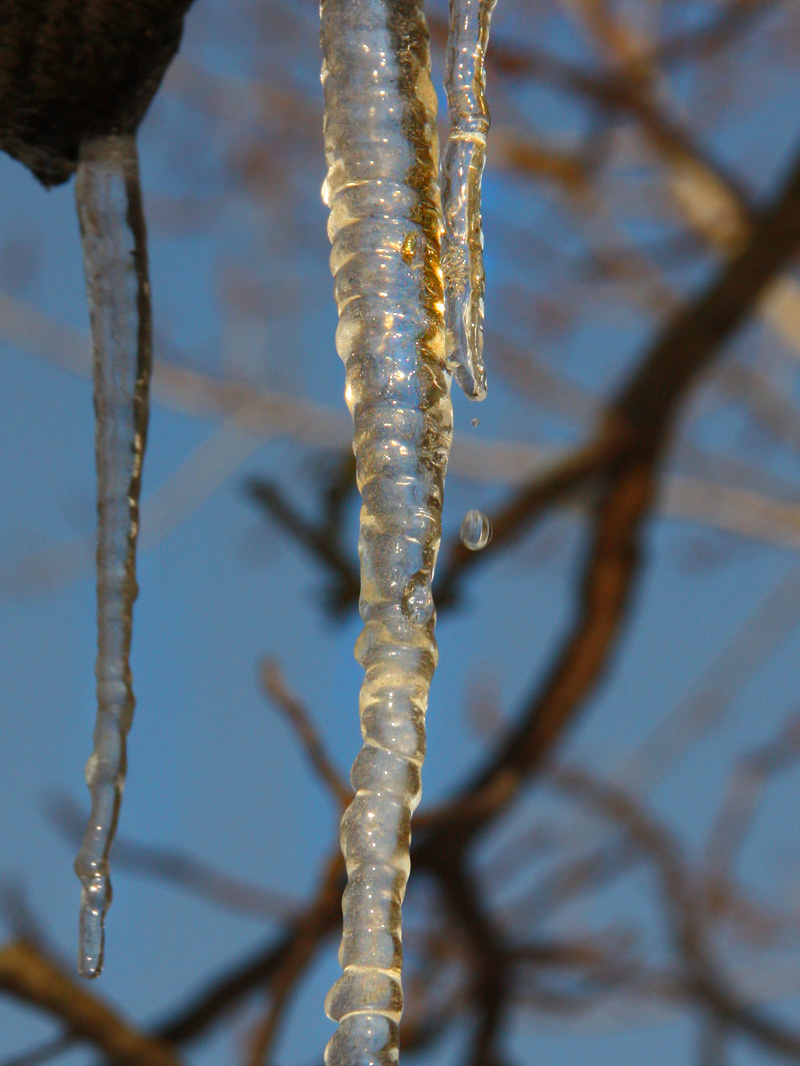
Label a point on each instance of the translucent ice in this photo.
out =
(463, 161)
(385, 227)
(115, 260)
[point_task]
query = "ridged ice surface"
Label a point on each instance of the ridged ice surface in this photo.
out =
(115, 261)
(463, 161)
(385, 227)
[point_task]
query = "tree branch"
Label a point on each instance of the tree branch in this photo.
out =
(28, 975)
(628, 448)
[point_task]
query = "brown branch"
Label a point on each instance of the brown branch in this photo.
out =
(745, 789)
(607, 585)
(639, 416)
(627, 453)
(317, 541)
(180, 869)
(28, 975)
(565, 478)
(283, 985)
(615, 92)
(223, 995)
(732, 21)
(704, 982)
(275, 687)
(489, 962)
(687, 344)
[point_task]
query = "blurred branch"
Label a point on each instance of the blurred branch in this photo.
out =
(268, 414)
(733, 20)
(623, 463)
(703, 981)
(491, 978)
(724, 679)
(28, 976)
(639, 415)
(271, 414)
(170, 865)
(283, 985)
(320, 541)
(225, 994)
(275, 687)
(753, 774)
(607, 584)
(43, 1053)
(713, 1043)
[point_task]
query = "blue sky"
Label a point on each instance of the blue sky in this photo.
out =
(213, 769)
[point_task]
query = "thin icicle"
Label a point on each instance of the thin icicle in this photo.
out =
(385, 227)
(463, 160)
(109, 204)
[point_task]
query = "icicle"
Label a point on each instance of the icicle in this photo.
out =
(385, 226)
(462, 170)
(109, 204)
(476, 530)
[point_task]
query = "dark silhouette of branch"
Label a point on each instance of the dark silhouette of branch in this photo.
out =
(275, 687)
(317, 540)
(489, 964)
(29, 976)
(283, 985)
(704, 980)
(176, 868)
(629, 446)
(224, 994)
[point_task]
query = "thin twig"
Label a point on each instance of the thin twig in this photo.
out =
(177, 868)
(316, 539)
(43, 1053)
(297, 716)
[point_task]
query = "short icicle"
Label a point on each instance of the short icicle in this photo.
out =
(385, 227)
(112, 226)
(463, 161)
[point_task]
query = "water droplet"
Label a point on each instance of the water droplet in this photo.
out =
(476, 530)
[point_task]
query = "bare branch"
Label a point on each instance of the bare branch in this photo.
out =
(275, 687)
(226, 993)
(28, 976)
(177, 868)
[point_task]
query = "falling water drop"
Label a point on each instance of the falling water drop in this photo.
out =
(108, 198)
(476, 530)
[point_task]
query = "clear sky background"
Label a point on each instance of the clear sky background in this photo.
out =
(242, 291)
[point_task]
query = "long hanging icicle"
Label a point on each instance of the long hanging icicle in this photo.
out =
(385, 227)
(112, 226)
(463, 161)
